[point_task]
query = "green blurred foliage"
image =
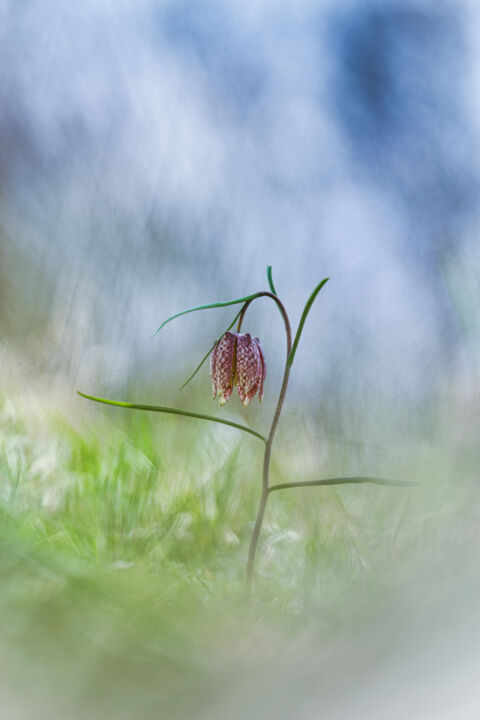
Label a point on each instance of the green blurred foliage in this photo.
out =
(124, 539)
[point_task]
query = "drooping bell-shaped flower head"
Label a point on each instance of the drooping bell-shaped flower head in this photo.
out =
(237, 359)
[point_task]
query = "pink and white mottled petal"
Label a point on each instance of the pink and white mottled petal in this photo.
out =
(251, 392)
(212, 370)
(225, 395)
(248, 367)
(258, 379)
(264, 368)
(237, 359)
(224, 370)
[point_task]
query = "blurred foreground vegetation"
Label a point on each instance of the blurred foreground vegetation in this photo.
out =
(123, 546)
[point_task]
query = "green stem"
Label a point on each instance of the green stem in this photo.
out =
(268, 447)
(305, 312)
(172, 411)
(241, 315)
(206, 307)
(270, 280)
(343, 481)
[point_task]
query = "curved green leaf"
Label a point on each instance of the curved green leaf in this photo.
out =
(344, 481)
(171, 411)
(209, 352)
(270, 279)
(206, 307)
(306, 310)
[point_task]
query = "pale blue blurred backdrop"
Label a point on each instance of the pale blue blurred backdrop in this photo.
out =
(156, 155)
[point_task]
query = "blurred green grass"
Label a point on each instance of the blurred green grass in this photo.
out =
(124, 538)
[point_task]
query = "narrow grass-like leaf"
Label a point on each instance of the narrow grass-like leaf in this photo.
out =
(306, 310)
(270, 279)
(344, 481)
(171, 411)
(206, 307)
(209, 352)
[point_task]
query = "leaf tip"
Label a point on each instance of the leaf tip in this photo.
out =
(270, 279)
(157, 331)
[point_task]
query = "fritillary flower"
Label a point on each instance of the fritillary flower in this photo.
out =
(237, 359)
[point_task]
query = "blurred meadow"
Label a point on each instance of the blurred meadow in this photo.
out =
(158, 155)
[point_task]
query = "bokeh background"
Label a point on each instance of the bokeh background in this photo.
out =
(158, 155)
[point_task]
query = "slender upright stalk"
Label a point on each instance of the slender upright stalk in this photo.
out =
(268, 446)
